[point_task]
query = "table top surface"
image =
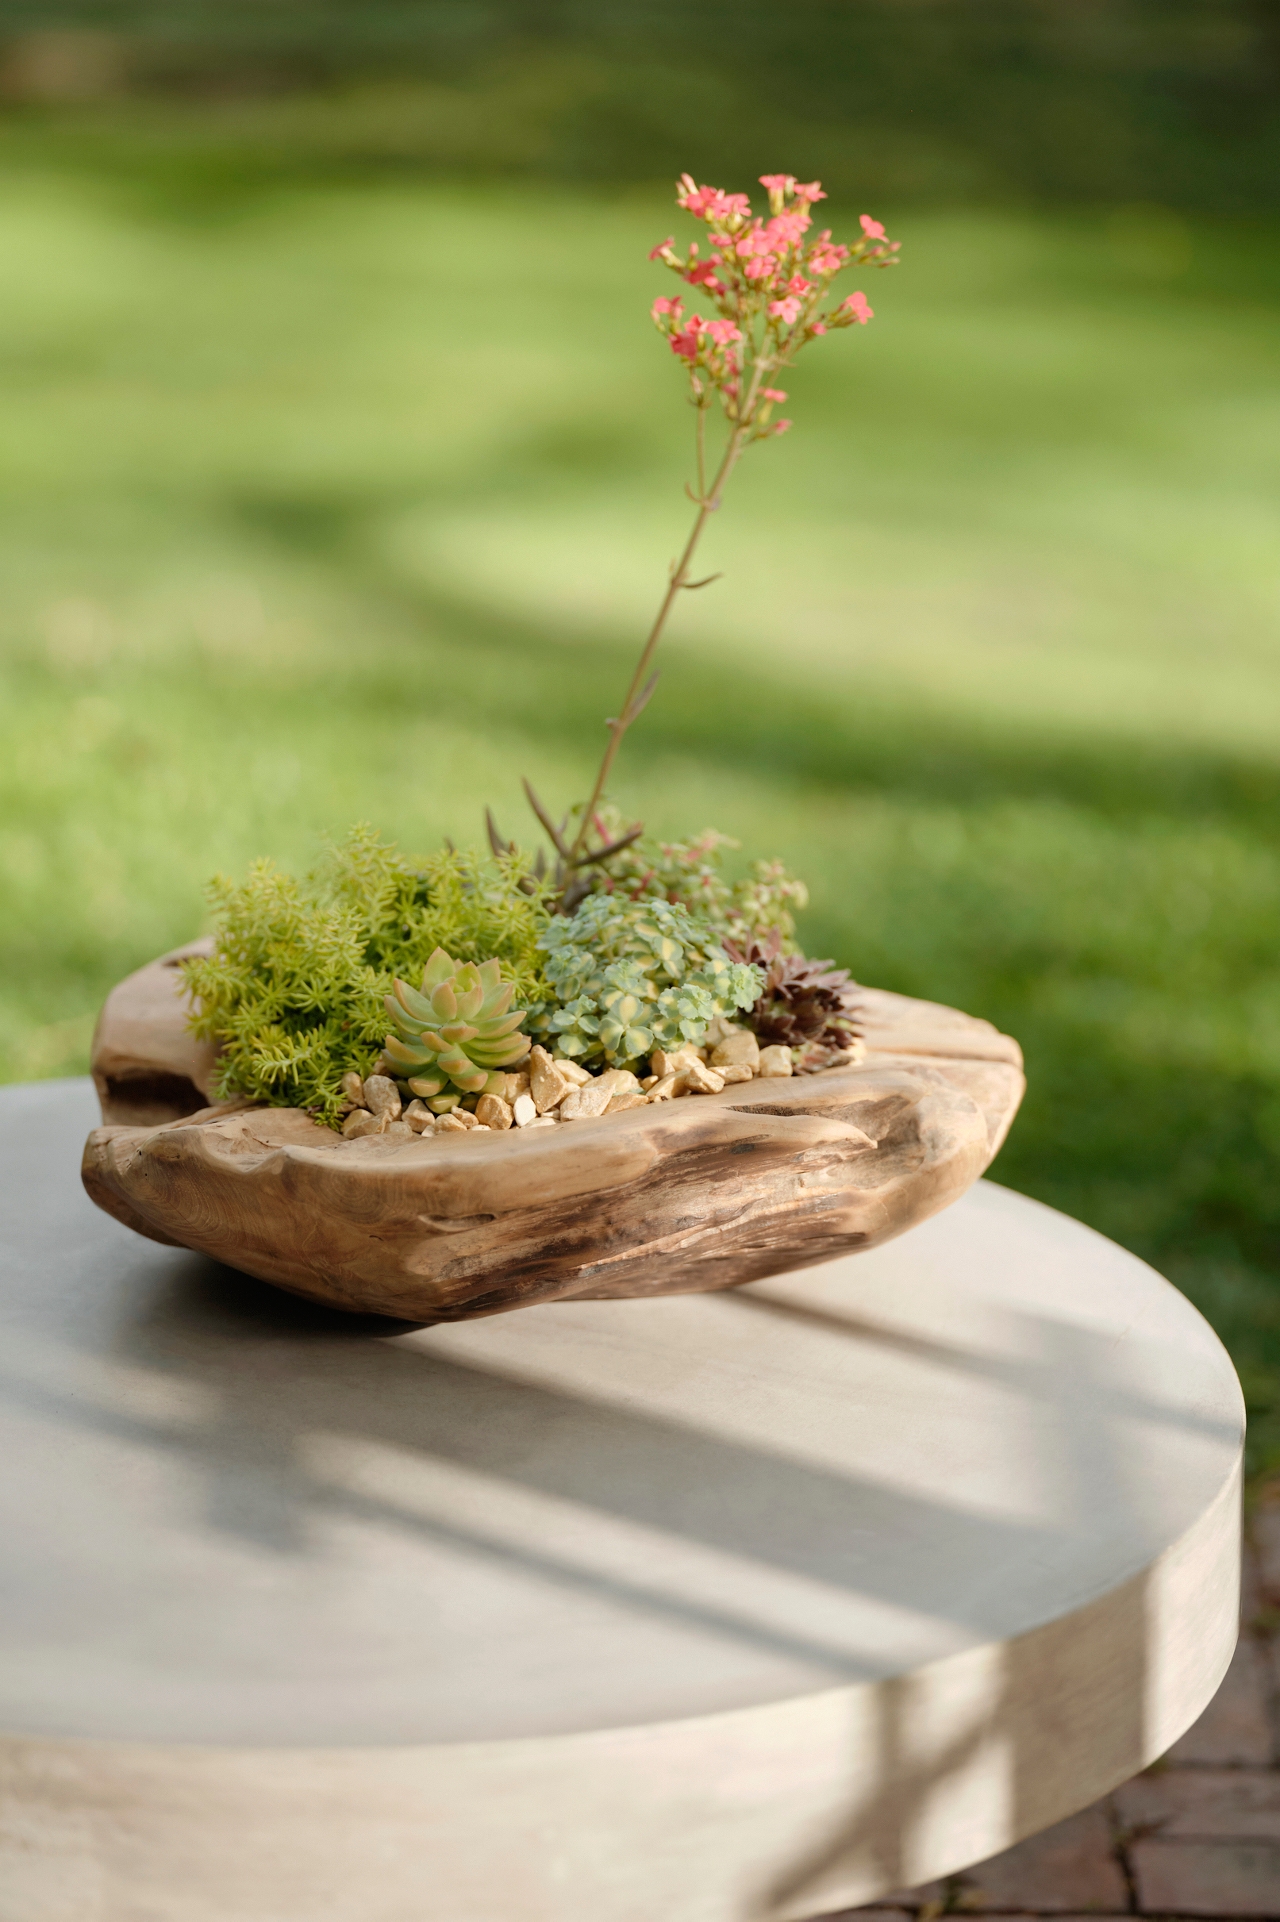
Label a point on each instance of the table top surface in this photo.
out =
(228, 1516)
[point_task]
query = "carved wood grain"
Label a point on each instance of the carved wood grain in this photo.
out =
(701, 1193)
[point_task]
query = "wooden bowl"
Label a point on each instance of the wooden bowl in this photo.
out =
(695, 1194)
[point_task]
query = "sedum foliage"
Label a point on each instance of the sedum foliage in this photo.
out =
(689, 873)
(295, 987)
(631, 975)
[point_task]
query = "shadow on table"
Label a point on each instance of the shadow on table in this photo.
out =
(276, 1371)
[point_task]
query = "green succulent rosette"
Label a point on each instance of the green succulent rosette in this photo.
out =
(459, 1032)
(630, 976)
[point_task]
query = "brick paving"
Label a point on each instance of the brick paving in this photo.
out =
(1197, 1834)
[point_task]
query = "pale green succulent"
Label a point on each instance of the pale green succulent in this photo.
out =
(459, 1032)
(630, 976)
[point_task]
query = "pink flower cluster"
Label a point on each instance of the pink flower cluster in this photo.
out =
(769, 283)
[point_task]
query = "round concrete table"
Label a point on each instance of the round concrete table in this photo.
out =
(712, 1608)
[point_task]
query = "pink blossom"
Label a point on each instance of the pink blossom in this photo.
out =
(818, 327)
(871, 228)
(694, 199)
(756, 241)
(686, 344)
(710, 203)
(778, 183)
(788, 309)
(723, 331)
(799, 285)
(661, 247)
(827, 256)
(781, 426)
(773, 393)
(664, 306)
(856, 304)
(702, 273)
(811, 193)
(760, 268)
(787, 229)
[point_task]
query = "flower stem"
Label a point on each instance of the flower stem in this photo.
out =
(708, 502)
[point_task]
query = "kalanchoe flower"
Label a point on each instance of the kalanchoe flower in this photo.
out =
(769, 285)
(770, 282)
(459, 1032)
(855, 306)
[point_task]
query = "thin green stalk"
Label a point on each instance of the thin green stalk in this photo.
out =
(707, 504)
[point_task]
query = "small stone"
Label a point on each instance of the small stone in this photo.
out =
(632, 1098)
(400, 1129)
(650, 1081)
(698, 1079)
(620, 1081)
(585, 1103)
(353, 1089)
(482, 1128)
(731, 1075)
(418, 1116)
(670, 1061)
(523, 1111)
(665, 1089)
(817, 1057)
(517, 1084)
(360, 1123)
(571, 1070)
(381, 1096)
(493, 1112)
(718, 1028)
(449, 1124)
(544, 1121)
(774, 1062)
(740, 1049)
(465, 1116)
(546, 1083)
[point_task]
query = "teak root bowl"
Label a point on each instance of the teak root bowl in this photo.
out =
(700, 1193)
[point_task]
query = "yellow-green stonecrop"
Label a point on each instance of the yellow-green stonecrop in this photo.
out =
(460, 1031)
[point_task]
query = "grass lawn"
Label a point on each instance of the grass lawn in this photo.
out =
(349, 499)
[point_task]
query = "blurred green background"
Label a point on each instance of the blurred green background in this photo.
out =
(340, 468)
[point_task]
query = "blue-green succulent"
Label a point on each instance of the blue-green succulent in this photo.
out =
(630, 976)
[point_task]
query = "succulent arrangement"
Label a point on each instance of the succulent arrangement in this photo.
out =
(455, 1035)
(804, 1005)
(471, 991)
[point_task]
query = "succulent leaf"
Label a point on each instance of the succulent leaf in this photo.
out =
(804, 1004)
(457, 1030)
(632, 975)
